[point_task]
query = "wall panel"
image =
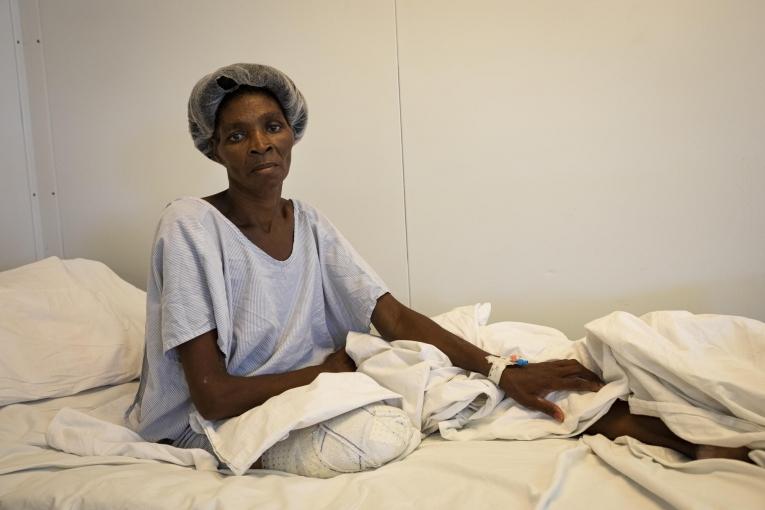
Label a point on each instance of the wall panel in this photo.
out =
(565, 159)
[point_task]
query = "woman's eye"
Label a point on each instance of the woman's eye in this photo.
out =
(274, 127)
(237, 136)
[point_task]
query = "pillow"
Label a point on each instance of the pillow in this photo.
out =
(465, 321)
(67, 326)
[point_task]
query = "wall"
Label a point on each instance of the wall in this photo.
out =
(118, 76)
(558, 159)
(565, 159)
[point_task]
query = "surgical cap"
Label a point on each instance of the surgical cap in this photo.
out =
(209, 92)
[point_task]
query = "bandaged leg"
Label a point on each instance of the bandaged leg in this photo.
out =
(363, 439)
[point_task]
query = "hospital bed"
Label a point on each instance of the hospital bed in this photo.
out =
(71, 338)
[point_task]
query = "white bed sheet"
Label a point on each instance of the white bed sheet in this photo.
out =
(549, 473)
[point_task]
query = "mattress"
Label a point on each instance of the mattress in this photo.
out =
(547, 473)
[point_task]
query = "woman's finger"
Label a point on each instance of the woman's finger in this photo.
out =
(578, 384)
(588, 374)
(569, 369)
(547, 407)
(576, 369)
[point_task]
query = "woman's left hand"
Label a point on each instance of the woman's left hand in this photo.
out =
(530, 384)
(339, 361)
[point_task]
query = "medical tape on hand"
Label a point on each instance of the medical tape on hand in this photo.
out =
(498, 365)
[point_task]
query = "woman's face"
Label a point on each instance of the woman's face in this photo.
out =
(254, 141)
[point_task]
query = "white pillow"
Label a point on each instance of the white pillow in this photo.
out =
(67, 326)
(465, 321)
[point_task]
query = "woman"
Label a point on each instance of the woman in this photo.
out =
(251, 294)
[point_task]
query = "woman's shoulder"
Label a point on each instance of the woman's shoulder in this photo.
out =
(311, 214)
(184, 211)
(323, 229)
(186, 205)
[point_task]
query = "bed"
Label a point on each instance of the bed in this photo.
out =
(586, 472)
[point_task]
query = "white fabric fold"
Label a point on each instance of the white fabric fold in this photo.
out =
(240, 441)
(431, 388)
(467, 406)
(709, 483)
(701, 374)
(566, 462)
(75, 432)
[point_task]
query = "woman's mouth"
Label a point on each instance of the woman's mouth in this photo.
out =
(263, 166)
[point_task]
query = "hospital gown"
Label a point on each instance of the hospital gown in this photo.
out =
(271, 316)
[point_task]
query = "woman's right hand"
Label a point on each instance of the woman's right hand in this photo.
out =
(529, 385)
(339, 361)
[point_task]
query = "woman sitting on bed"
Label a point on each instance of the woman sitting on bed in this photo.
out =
(251, 294)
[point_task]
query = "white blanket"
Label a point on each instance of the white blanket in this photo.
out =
(463, 406)
(698, 373)
(703, 375)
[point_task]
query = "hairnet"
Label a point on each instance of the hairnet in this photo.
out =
(210, 90)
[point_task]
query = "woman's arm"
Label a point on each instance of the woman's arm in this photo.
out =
(526, 385)
(217, 394)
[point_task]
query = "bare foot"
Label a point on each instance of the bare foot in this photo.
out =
(704, 451)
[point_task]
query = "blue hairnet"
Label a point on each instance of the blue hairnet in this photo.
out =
(211, 89)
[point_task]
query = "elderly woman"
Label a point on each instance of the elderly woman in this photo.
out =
(251, 294)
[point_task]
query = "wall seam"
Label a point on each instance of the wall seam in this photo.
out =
(29, 159)
(41, 130)
(403, 165)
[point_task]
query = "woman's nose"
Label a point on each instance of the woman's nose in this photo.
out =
(260, 143)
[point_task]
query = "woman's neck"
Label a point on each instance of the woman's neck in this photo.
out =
(248, 210)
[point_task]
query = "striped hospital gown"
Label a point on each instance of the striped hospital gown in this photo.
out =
(272, 316)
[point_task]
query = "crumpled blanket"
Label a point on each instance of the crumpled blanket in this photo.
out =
(701, 374)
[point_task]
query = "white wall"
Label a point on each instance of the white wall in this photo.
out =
(119, 75)
(560, 159)
(565, 159)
